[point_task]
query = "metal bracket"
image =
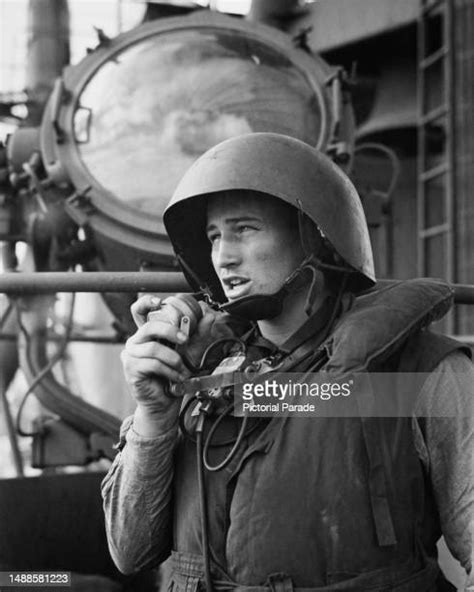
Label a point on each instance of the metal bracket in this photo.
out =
(38, 185)
(79, 206)
(58, 97)
(103, 38)
(339, 84)
(300, 40)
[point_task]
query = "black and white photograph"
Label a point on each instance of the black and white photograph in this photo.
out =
(237, 295)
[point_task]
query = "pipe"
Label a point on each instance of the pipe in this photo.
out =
(463, 293)
(83, 416)
(22, 284)
(102, 339)
(48, 51)
(9, 358)
(12, 437)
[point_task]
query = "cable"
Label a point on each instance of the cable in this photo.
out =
(189, 436)
(44, 371)
(200, 367)
(203, 501)
(238, 440)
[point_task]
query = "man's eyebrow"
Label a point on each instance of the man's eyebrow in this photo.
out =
(235, 220)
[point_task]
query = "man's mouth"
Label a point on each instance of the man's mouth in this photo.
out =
(236, 286)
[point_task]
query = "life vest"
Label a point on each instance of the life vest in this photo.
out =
(326, 504)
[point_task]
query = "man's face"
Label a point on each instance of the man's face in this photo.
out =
(255, 247)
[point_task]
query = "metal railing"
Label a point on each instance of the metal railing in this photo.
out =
(37, 283)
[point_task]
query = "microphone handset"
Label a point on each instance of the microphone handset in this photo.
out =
(184, 311)
(180, 310)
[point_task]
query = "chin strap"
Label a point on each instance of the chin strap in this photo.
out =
(268, 306)
(258, 307)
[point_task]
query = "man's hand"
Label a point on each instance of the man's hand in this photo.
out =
(149, 362)
(153, 356)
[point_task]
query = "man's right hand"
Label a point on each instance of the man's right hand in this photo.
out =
(149, 362)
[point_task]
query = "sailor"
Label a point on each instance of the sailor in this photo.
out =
(272, 237)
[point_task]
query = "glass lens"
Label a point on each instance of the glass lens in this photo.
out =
(149, 112)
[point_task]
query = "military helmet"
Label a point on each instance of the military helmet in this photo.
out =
(282, 167)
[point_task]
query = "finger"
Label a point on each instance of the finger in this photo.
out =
(138, 369)
(158, 331)
(158, 351)
(141, 307)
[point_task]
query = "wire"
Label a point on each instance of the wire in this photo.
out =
(189, 436)
(49, 366)
(201, 366)
(238, 441)
(203, 502)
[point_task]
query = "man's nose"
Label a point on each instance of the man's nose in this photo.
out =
(226, 254)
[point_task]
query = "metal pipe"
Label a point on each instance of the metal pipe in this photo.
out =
(463, 293)
(22, 284)
(12, 438)
(102, 339)
(83, 416)
(9, 365)
(48, 51)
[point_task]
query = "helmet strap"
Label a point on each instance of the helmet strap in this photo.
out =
(204, 291)
(257, 307)
(268, 306)
(312, 292)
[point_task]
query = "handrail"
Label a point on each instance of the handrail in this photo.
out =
(24, 284)
(50, 282)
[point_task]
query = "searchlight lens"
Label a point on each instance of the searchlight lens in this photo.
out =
(151, 110)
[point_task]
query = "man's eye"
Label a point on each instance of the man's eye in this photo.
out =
(213, 237)
(245, 228)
